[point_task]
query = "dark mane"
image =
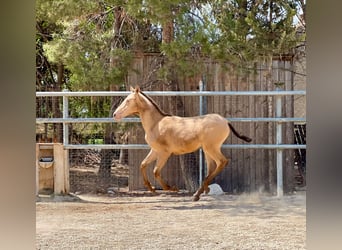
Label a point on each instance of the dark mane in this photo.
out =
(155, 105)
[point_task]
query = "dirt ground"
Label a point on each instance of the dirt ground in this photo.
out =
(171, 221)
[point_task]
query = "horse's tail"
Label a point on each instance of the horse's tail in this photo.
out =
(242, 137)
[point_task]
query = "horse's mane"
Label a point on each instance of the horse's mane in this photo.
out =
(155, 105)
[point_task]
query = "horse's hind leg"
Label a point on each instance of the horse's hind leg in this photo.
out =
(210, 169)
(152, 156)
(220, 160)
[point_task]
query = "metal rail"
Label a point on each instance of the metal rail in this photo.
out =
(111, 120)
(278, 120)
(175, 93)
(146, 146)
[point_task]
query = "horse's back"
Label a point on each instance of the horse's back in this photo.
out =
(196, 124)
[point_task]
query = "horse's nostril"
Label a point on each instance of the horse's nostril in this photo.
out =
(116, 116)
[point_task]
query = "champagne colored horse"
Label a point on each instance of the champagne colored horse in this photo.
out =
(167, 134)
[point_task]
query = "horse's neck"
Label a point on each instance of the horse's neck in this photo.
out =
(149, 116)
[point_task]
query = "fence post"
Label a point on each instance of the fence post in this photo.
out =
(202, 111)
(66, 142)
(65, 115)
(278, 114)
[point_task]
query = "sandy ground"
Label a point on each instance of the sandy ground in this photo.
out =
(171, 221)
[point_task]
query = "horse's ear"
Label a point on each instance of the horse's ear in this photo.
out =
(132, 89)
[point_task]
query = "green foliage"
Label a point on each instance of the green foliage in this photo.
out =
(59, 11)
(86, 107)
(239, 31)
(253, 29)
(84, 43)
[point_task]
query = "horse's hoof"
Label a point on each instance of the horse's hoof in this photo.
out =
(195, 198)
(152, 189)
(171, 189)
(174, 189)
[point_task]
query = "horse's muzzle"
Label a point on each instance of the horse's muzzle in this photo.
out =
(117, 116)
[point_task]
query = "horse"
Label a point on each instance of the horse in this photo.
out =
(167, 134)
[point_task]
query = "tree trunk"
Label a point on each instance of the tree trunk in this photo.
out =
(104, 174)
(187, 162)
(56, 111)
(190, 174)
(167, 33)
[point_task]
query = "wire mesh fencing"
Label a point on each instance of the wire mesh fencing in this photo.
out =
(97, 171)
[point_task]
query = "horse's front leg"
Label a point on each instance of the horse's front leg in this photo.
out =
(161, 160)
(152, 156)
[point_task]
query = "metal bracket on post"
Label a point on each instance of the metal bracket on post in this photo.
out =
(280, 190)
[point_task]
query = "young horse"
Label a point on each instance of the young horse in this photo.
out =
(167, 134)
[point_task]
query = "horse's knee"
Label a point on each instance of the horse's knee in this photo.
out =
(143, 165)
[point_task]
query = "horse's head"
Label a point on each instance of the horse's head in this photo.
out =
(129, 106)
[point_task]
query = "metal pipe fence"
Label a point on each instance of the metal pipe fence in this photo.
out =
(279, 146)
(175, 93)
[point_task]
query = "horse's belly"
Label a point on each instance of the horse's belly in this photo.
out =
(184, 148)
(174, 148)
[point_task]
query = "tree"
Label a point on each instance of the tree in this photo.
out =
(90, 45)
(50, 77)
